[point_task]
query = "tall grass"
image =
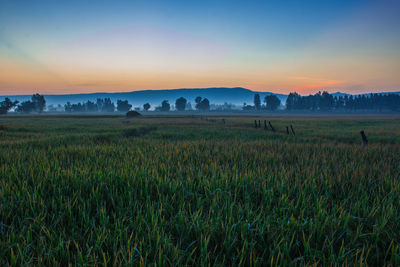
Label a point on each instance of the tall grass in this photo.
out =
(85, 191)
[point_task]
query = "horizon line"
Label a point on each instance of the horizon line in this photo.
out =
(199, 88)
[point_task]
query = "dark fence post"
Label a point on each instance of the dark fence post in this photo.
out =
(364, 138)
(255, 123)
(291, 127)
(259, 124)
(223, 121)
(265, 125)
(287, 130)
(272, 127)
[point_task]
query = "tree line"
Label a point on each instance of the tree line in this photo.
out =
(317, 102)
(271, 102)
(37, 104)
(325, 101)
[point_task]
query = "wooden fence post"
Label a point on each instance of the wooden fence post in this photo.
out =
(291, 127)
(259, 124)
(265, 125)
(364, 138)
(255, 123)
(272, 127)
(287, 130)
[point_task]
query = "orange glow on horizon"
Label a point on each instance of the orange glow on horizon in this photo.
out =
(23, 78)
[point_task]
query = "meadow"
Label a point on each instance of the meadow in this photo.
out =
(194, 191)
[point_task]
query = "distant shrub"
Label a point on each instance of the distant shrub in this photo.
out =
(132, 114)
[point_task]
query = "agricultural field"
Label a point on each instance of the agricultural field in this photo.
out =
(199, 191)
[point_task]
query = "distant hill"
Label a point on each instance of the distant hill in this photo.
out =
(217, 95)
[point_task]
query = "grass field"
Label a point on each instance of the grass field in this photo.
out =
(92, 190)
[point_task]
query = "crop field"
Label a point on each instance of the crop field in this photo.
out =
(199, 191)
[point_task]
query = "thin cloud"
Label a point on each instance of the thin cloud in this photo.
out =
(312, 83)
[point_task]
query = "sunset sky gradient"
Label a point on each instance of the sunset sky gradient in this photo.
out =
(57, 47)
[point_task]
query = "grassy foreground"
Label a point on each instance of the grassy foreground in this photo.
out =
(91, 190)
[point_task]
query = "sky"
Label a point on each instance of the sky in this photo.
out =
(60, 47)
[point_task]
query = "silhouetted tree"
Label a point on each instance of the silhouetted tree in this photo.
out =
(68, 107)
(91, 106)
(107, 105)
(272, 102)
(39, 102)
(202, 104)
(146, 106)
(165, 106)
(26, 107)
(291, 101)
(180, 103)
(339, 102)
(257, 102)
(327, 101)
(6, 105)
(205, 104)
(197, 99)
(123, 106)
(100, 103)
(79, 107)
